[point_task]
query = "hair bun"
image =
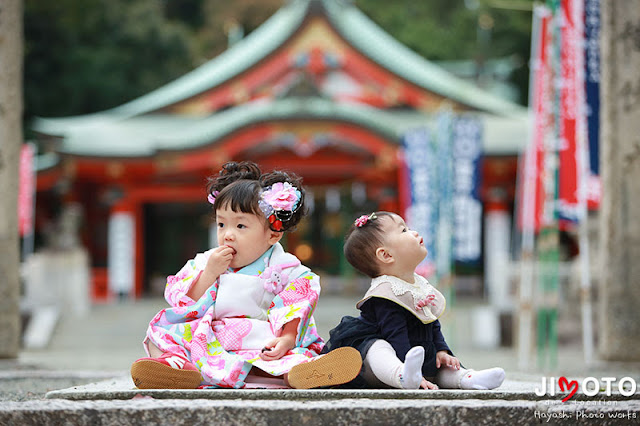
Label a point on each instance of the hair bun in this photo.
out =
(232, 172)
(244, 170)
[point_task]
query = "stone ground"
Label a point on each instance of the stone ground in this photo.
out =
(82, 378)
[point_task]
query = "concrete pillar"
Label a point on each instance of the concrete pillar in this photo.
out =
(619, 309)
(10, 142)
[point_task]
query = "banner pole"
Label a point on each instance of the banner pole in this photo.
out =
(527, 203)
(583, 174)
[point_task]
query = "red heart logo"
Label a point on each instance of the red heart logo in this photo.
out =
(562, 381)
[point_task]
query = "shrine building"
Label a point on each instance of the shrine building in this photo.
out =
(317, 89)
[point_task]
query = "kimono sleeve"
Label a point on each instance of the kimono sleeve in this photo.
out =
(296, 301)
(178, 285)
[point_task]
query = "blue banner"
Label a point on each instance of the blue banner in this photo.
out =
(422, 214)
(592, 79)
(467, 208)
(444, 139)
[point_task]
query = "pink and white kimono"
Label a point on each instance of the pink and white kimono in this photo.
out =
(224, 331)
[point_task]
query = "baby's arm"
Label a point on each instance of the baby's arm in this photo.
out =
(444, 356)
(443, 359)
(217, 264)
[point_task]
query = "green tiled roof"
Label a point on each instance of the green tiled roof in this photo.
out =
(146, 135)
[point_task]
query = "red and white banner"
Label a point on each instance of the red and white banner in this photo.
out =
(26, 190)
(534, 172)
(571, 109)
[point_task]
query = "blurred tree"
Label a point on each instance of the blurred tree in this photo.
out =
(83, 56)
(187, 11)
(460, 29)
(222, 16)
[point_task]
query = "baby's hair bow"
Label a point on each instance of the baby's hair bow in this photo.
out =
(364, 219)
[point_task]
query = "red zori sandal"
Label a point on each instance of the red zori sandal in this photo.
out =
(168, 371)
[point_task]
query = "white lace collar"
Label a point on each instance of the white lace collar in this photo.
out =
(419, 297)
(419, 288)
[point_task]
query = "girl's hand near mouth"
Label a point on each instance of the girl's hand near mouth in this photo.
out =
(217, 264)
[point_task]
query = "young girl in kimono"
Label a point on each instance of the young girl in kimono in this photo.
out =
(398, 333)
(245, 307)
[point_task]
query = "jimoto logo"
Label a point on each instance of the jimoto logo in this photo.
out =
(590, 386)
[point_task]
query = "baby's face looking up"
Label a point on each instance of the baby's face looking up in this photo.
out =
(404, 245)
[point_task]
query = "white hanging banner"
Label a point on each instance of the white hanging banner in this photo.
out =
(121, 257)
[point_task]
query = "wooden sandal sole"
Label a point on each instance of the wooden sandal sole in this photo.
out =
(335, 368)
(147, 374)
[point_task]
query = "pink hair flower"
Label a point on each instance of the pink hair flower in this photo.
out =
(281, 196)
(362, 220)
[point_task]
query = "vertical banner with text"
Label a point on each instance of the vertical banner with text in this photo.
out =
(532, 175)
(592, 94)
(467, 208)
(571, 84)
(421, 214)
(444, 238)
(121, 255)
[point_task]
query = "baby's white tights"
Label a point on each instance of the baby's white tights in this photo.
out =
(382, 366)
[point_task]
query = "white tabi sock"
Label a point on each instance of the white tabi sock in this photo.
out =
(411, 375)
(490, 378)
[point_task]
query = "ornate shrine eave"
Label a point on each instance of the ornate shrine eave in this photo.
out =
(145, 136)
(349, 22)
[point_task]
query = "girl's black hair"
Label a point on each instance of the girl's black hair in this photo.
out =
(240, 185)
(361, 243)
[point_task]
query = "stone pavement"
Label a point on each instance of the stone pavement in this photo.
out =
(82, 378)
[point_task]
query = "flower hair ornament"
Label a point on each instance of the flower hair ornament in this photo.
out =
(364, 219)
(279, 202)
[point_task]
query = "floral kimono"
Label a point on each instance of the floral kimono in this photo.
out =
(224, 332)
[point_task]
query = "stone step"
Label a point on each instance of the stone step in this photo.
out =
(144, 410)
(116, 402)
(122, 388)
